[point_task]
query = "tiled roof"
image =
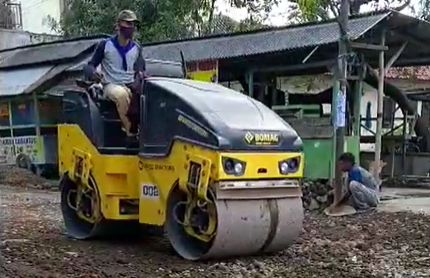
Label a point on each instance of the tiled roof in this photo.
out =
(415, 73)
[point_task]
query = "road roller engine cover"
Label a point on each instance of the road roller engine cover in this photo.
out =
(218, 170)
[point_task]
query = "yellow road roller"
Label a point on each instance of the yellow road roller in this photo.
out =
(217, 170)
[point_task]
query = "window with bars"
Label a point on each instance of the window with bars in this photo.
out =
(10, 15)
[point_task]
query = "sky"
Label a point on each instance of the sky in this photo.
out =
(279, 14)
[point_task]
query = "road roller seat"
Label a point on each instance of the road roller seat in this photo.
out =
(97, 116)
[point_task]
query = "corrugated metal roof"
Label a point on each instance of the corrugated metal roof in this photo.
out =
(79, 65)
(153, 67)
(261, 42)
(46, 52)
(15, 82)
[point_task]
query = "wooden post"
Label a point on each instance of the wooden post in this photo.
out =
(378, 136)
(251, 84)
(340, 120)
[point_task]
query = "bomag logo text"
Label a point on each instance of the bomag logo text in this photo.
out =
(262, 138)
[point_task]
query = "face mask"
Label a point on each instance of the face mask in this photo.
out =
(126, 32)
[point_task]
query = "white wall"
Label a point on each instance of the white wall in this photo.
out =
(35, 12)
(370, 95)
(15, 38)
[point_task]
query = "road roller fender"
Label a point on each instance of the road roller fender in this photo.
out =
(175, 190)
(62, 182)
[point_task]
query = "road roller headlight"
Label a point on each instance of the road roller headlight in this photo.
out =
(233, 166)
(238, 168)
(289, 166)
(284, 168)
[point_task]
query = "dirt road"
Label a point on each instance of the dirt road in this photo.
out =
(374, 245)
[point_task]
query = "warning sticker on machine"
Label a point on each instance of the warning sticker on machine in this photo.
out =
(149, 191)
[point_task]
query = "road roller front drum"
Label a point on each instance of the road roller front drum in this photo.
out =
(243, 227)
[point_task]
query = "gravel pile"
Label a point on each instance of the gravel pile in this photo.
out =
(34, 245)
(14, 176)
(317, 194)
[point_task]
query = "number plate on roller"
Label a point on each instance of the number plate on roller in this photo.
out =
(149, 191)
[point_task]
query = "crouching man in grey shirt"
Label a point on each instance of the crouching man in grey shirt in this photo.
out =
(121, 64)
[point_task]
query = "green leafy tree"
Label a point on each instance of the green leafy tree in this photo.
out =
(160, 19)
(208, 22)
(314, 10)
(424, 9)
(258, 10)
(222, 24)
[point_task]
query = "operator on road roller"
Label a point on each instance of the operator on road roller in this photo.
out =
(122, 68)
